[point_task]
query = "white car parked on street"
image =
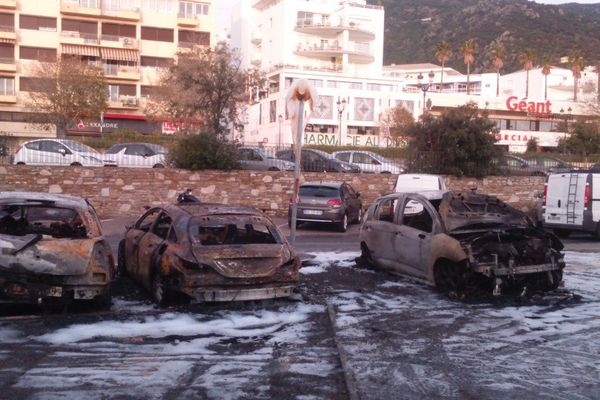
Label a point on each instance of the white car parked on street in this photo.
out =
(59, 152)
(137, 155)
(369, 162)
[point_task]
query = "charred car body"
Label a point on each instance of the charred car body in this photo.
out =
(52, 250)
(461, 242)
(209, 252)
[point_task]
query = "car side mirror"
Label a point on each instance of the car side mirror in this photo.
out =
(62, 151)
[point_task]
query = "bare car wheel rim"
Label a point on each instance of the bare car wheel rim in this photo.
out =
(345, 222)
(158, 290)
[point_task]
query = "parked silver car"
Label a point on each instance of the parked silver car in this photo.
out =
(462, 242)
(370, 162)
(137, 155)
(258, 159)
(60, 152)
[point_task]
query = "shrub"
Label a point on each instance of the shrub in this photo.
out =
(204, 151)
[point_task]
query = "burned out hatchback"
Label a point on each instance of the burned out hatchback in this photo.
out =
(462, 242)
(52, 250)
(200, 252)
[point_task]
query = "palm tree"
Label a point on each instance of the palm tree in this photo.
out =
(443, 52)
(497, 55)
(526, 58)
(577, 65)
(468, 50)
(546, 67)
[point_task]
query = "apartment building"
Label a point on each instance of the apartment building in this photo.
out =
(131, 39)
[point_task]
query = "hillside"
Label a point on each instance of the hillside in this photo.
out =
(413, 27)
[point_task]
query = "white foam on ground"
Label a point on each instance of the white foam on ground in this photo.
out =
(122, 305)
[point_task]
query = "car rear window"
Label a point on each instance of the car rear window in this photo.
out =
(319, 191)
(20, 220)
(222, 233)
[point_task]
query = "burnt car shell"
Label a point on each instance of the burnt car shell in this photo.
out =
(210, 253)
(52, 248)
(476, 243)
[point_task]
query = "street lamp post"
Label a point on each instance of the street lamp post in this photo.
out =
(566, 117)
(280, 120)
(341, 104)
(425, 88)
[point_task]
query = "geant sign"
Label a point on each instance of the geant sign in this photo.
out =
(538, 107)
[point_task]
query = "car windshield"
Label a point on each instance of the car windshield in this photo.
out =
(232, 231)
(158, 149)
(79, 147)
(319, 191)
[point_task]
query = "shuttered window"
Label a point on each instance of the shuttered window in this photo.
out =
(37, 23)
(118, 30)
(157, 62)
(157, 34)
(74, 25)
(37, 53)
(194, 37)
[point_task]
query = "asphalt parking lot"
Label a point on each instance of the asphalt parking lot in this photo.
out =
(350, 332)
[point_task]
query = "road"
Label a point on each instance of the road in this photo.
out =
(399, 339)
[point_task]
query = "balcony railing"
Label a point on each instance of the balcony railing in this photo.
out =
(81, 7)
(85, 38)
(126, 42)
(121, 71)
(7, 60)
(322, 68)
(311, 23)
(123, 102)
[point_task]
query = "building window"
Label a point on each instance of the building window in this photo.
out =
(156, 62)
(118, 92)
(30, 84)
(7, 22)
(37, 23)
(189, 9)
(165, 6)
(37, 53)
(116, 5)
(157, 34)
(85, 3)
(7, 86)
(316, 82)
(304, 18)
(84, 29)
(7, 53)
(190, 38)
(273, 111)
(116, 31)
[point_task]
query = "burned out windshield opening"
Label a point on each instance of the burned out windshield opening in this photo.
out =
(222, 233)
(21, 220)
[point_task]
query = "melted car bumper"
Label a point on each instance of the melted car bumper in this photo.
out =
(203, 294)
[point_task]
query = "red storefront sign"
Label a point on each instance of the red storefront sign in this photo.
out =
(538, 107)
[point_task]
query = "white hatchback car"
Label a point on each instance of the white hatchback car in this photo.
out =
(59, 152)
(369, 162)
(137, 155)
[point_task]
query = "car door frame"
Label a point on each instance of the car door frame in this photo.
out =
(133, 236)
(152, 243)
(380, 234)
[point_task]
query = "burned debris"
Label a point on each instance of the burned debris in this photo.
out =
(52, 249)
(462, 242)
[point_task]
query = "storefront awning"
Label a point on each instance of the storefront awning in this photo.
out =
(78, 50)
(119, 54)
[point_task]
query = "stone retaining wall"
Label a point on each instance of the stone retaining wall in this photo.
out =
(125, 191)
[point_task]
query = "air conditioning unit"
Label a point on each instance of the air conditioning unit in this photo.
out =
(127, 42)
(131, 101)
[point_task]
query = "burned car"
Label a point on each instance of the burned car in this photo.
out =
(461, 242)
(52, 250)
(201, 252)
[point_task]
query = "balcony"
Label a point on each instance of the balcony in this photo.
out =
(122, 14)
(359, 53)
(119, 42)
(71, 37)
(124, 102)
(8, 97)
(358, 31)
(8, 34)
(8, 4)
(79, 8)
(183, 20)
(8, 65)
(124, 72)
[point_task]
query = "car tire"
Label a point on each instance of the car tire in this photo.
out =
(366, 258)
(158, 166)
(358, 219)
(20, 163)
(75, 164)
(386, 173)
(562, 233)
(342, 226)
(121, 259)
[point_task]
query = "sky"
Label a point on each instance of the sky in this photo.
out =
(223, 8)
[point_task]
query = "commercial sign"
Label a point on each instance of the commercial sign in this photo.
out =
(519, 138)
(536, 107)
(332, 139)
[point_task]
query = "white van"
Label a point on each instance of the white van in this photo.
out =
(572, 203)
(418, 183)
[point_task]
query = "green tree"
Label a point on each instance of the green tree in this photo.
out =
(527, 58)
(206, 86)
(459, 142)
(468, 50)
(577, 64)
(204, 151)
(584, 138)
(532, 145)
(397, 120)
(66, 92)
(443, 52)
(497, 56)
(546, 69)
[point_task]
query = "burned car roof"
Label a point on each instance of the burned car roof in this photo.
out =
(59, 200)
(461, 209)
(202, 209)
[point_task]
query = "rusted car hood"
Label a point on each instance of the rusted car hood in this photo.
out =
(472, 210)
(243, 261)
(44, 255)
